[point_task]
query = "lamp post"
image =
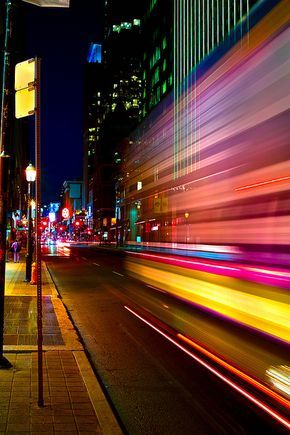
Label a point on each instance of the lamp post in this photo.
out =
(30, 172)
(186, 215)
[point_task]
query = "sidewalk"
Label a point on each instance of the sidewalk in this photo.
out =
(73, 399)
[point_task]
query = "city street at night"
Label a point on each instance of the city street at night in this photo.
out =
(152, 385)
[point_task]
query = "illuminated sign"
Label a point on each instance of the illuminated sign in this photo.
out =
(51, 216)
(65, 213)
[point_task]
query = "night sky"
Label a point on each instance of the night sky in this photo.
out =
(61, 38)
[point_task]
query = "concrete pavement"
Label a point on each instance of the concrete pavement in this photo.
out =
(73, 399)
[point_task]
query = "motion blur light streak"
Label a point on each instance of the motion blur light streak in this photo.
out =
(249, 396)
(256, 306)
(254, 274)
(263, 183)
(280, 378)
(236, 371)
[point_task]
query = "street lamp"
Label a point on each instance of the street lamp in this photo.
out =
(186, 215)
(30, 172)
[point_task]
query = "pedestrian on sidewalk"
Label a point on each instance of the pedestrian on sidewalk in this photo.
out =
(16, 249)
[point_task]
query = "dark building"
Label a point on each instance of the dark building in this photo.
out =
(117, 106)
(180, 35)
(13, 132)
(157, 61)
(94, 109)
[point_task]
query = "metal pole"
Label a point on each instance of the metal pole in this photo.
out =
(38, 233)
(29, 238)
(4, 89)
(4, 363)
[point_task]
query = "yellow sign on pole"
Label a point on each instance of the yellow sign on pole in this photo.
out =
(24, 86)
(24, 102)
(24, 74)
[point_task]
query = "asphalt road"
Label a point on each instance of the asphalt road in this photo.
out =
(153, 386)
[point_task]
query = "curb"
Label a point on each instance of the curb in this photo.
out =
(103, 410)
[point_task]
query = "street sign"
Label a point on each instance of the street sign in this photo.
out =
(24, 85)
(24, 102)
(24, 74)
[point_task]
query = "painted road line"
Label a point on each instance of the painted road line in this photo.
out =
(117, 273)
(155, 288)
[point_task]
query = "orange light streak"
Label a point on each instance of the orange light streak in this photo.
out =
(237, 372)
(249, 396)
(263, 183)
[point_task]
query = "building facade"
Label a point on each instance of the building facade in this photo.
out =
(166, 194)
(116, 109)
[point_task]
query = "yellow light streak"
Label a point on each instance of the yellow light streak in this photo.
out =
(267, 315)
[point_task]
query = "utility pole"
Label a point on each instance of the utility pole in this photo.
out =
(4, 363)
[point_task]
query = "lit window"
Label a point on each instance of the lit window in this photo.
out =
(164, 87)
(156, 75)
(116, 28)
(164, 43)
(157, 54)
(164, 65)
(139, 185)
(115, 85)
(126, 25)
(128, 105)
(136, 22)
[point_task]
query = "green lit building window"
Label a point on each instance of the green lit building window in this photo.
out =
(136, 22)
(126, 25)
(116, 28)
(157, 54)
(164, 87)
(152, 4)
(156, 74)
(164, 65)
(164, 43)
